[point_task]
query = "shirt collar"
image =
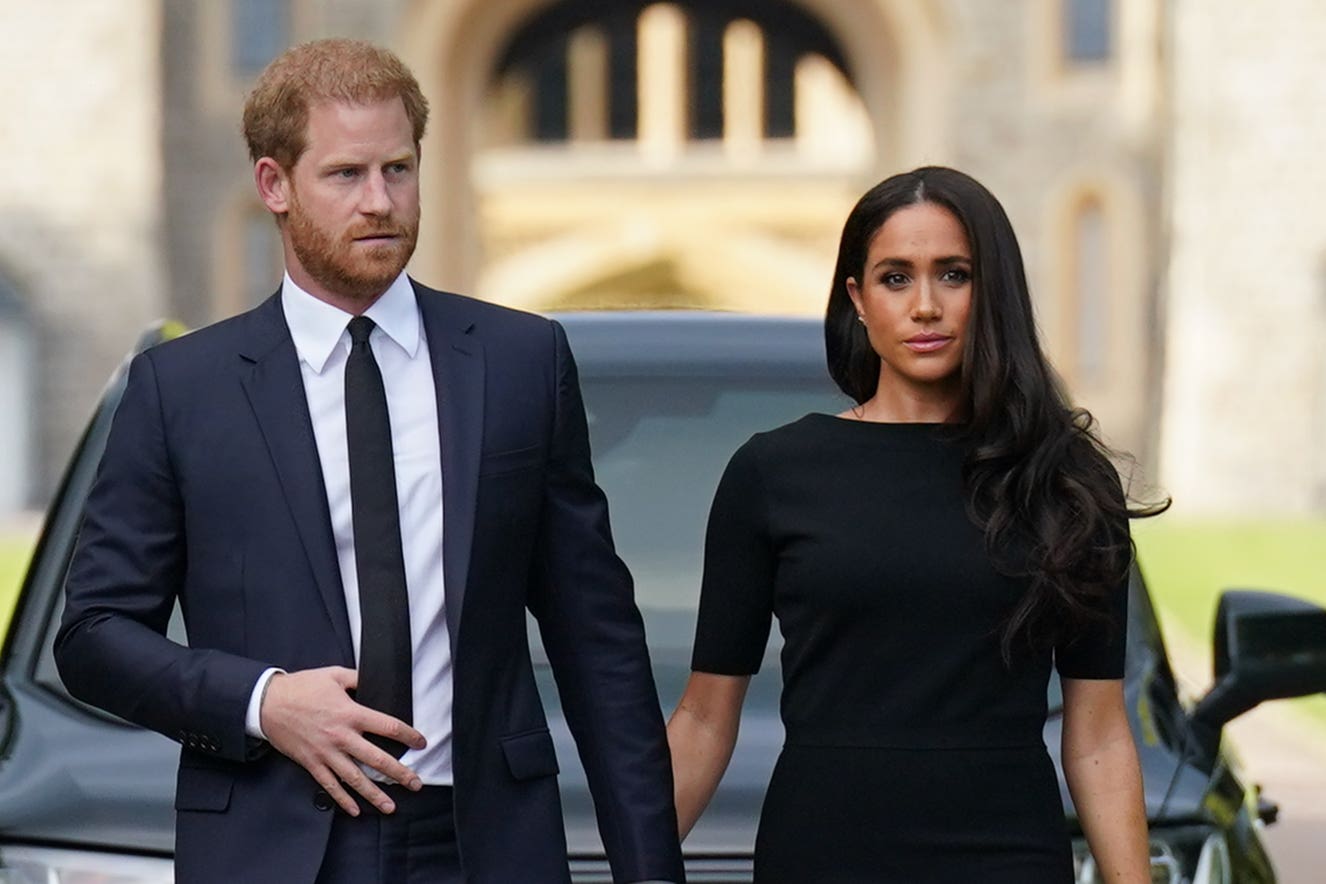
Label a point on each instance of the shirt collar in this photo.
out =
(317, 327)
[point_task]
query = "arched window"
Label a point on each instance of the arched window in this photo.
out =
(249, 264)
(1090, 281)
(263, 263)
(690, 70)
(625, 153)
(259, 31)
(1087, 30)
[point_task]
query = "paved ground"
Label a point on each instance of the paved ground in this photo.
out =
(1287, 756)
(1285, 752)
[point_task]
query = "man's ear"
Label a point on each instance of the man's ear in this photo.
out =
(273, 184)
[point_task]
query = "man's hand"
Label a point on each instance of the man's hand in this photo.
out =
(309, 717)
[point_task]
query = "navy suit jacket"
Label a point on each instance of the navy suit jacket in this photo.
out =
(210, 492)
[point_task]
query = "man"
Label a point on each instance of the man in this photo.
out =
(354, 491)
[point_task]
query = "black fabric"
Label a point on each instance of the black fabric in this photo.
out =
(855, 535)
(414, 845)
(847, 815)
(384, 606)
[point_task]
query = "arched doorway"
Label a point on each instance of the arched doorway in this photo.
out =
(655, 155)
(508, 168)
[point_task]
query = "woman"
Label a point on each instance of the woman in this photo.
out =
(930, 554)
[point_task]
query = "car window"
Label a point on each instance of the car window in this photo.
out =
(50, 566)
(660, 446)
(47, 675)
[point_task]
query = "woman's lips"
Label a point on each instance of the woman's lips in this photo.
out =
(927, 343)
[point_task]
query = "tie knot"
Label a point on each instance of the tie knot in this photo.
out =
(360, 328)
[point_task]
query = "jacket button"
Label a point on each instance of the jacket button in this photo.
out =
(322, 801)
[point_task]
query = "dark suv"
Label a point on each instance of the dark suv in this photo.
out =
(84, 796)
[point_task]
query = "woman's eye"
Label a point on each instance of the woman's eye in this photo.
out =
(957, 275)
(894, 280)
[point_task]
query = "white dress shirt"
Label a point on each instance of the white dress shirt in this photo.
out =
(401, 351)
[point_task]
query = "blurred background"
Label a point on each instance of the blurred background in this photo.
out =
(1161, 161)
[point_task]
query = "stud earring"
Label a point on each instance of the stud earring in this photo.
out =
(861, 318)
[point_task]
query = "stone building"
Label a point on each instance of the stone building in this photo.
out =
(81, 263)
(1245, 278)
(703, 153)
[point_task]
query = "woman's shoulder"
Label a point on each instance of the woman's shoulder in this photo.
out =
(769, 455)
(786, 440)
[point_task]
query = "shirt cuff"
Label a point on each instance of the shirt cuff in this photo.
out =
(253, 717)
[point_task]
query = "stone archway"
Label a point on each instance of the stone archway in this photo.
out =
(894, 48)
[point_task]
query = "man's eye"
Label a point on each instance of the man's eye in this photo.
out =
(347, 173)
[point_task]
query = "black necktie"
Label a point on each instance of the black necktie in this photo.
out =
(384, 606)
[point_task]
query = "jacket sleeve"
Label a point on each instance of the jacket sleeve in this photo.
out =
(126, 574)
(594, 636)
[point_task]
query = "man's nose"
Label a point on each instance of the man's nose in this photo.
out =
(373, 197)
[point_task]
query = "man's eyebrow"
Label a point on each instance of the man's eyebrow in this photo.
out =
(341, 163)
(346, 162)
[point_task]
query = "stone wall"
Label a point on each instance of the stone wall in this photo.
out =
(80, 199)
(1245, 386)
(1046, 135)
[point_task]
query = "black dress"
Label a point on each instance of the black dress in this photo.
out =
(913, 753)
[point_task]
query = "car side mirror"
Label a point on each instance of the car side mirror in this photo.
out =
(1266, 647)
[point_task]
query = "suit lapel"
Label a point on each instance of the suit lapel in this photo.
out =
(458, 376)
(276, 393)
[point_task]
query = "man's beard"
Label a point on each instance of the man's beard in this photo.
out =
(344, 268)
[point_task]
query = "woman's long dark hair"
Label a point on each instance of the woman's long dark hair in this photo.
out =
(1039, 481)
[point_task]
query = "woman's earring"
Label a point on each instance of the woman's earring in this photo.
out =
(861, 318)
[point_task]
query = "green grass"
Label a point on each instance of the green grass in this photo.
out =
(1189, 562)
(15, 550)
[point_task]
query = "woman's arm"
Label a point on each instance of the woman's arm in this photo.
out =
(1100, 765)
(702, 733)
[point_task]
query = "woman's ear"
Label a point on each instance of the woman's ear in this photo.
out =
(854, 293)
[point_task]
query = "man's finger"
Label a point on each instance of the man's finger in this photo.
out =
(332, 786)
(388, 766)
(355, 779)
(384, 725)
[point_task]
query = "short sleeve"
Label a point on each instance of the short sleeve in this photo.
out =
(1097, 651)
(736, 593)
